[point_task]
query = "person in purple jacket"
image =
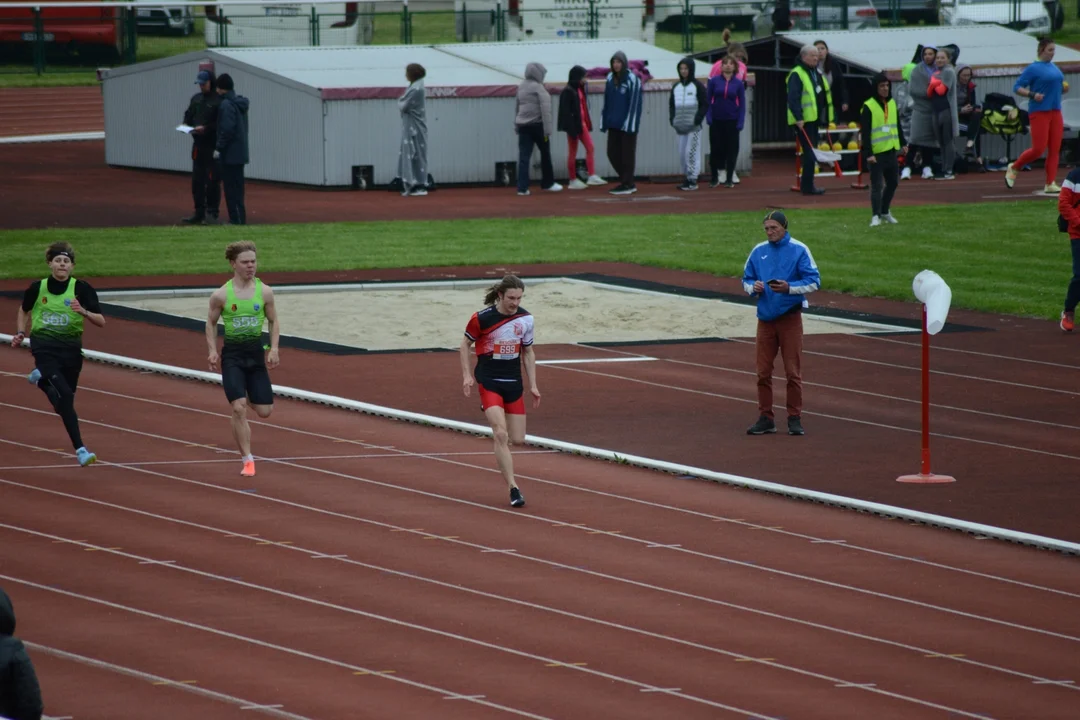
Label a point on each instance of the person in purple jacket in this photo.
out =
(727, 111)
(780, 273)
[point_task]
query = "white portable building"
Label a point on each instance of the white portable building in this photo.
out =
(328, 116)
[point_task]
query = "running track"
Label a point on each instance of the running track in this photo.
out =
(373, 569)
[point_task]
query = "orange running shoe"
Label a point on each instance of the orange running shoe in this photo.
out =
(1067, 321)
(249, 469)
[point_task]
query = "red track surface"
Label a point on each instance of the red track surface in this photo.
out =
(621, 586)
(42, 111)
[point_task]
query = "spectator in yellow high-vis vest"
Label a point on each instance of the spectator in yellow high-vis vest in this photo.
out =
(809, 102)
(882, 143)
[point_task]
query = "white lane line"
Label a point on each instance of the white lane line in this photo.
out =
(522, 654)
(540, 518)
(271, 710)
(996, 356)
(547, 563)
(595, 360)
(260, 643)
(865, 393)
(601, 493)
(841, 418)
(464, 697)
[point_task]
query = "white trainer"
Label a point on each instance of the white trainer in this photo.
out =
(905, 174)
(875, 221)
(927, 173)
(576, 184)
(890, 219)
(596, 180)
(734, 177)
(555, 187)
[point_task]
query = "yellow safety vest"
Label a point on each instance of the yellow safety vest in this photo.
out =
(809, 96)
(884, 133)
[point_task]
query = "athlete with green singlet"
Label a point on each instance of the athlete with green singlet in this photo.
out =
(243, 305)
(54, 310)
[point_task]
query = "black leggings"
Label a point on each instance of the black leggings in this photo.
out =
(723, 148)
(59, 381)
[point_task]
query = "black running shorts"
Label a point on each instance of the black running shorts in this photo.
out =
(244, 374)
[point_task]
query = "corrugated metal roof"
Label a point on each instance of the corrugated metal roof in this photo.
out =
(372, 66)
(891, 49)
(558, 56)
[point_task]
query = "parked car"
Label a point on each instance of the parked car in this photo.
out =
(1028, 16)
(165, 20)
(92, 33)
(861, 15)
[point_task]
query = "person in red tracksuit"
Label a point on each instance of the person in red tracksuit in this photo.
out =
(574, 120)
(1069, 207)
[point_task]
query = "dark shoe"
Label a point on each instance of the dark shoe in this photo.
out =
(763, 426)
(794, 425)
(195, 219)
(729, 184)
(814, 191)
(715, 182)
(623, 190)
(516, 500)
(211, 219)
(692, 186)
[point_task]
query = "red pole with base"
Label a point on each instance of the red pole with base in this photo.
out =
(925, 476)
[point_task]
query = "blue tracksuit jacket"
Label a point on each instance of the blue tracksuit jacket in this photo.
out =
(788, 260)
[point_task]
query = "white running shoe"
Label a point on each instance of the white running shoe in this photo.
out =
(596, 180)
(888, 217)
(905, 174)
(555, 187)
(927, 173)
(576, 184)
(875, 221)
(1052, 189)
(734, 177)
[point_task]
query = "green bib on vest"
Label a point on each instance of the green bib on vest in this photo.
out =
(52, 316)
(243, 319)
(884, 133)
(809, 97)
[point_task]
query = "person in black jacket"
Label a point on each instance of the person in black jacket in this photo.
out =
(205, 184)
(232, 147)
(20, 694)
(830, 70)
(574, 120)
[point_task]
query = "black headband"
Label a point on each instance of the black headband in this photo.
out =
(69, 254)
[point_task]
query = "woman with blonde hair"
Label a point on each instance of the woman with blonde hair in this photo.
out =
(1044, 84)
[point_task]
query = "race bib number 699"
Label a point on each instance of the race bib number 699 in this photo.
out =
(506, 351)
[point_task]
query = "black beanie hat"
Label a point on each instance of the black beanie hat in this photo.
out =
(778, 216)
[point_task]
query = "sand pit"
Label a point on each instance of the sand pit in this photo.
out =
(566, 311)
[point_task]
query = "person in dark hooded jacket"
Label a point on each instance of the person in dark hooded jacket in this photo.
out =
(574, 120)
(686, 112)
(232, 147)
(20, 694)
(205, 183)
(882, 143)
(620, 119)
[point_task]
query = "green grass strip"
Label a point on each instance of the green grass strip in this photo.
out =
(1000, 257)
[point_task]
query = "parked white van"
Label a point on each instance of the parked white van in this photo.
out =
(1028, 16)
(289, 25)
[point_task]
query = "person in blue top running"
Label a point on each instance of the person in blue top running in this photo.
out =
(54, 311)
(780, 273)
(1044, 83)
(243, 304)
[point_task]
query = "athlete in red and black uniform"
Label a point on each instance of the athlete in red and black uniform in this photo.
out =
(503, 335)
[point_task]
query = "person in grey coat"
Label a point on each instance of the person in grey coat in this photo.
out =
(942, 92)
(20, 694)
(922, 139)
(232, 147)
(412, 159)
(533, 125)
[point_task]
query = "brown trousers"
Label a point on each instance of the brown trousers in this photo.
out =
(785, 334)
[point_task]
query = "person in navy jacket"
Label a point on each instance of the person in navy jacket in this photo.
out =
(780, 272)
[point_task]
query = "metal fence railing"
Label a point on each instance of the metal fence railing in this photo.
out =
(35, 38)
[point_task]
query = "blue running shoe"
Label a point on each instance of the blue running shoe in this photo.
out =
(85, 457)
(34, 377)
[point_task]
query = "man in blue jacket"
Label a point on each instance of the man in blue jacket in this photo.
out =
(781, 273)
(620, 119)
(232, 147)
